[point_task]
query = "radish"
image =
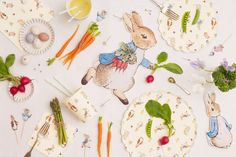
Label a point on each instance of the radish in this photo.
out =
(21, 88)
(25, 80)
(164, 140)
(149, 78)
(13, 91)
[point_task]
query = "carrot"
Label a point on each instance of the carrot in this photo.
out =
(66, 43)
(77, 47)
(109, 139)
(99, 137)
(87, 39)
(80, 50)
(59, 53)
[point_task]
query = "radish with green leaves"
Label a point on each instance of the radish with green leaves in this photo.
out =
(18, 83)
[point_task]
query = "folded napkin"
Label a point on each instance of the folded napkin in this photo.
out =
(48, 145)
(14, 14)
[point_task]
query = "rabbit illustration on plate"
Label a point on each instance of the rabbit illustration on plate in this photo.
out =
(116, 70)
(219, 134)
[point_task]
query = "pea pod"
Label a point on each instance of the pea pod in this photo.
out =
(196, 17)
(184, 21)
(149, 129)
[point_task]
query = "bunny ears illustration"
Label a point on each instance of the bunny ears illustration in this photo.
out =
(142, 36)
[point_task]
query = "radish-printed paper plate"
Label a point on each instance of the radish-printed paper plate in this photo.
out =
(133, 129)
(195, 28)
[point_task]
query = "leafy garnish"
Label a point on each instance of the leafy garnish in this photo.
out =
(155, 109)
(10, 60)
(171, 67)
(5, 70)
(162, 57)
(224, 78)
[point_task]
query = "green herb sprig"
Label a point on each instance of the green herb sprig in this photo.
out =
(155, 109)
(56, 109)
(224, 79)
(5, 74)
(171, 67)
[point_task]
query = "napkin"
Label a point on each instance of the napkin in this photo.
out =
(48, 145)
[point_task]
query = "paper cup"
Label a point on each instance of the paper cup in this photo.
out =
(72, 13)
(80, 105)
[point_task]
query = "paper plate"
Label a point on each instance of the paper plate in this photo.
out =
(44, 26)
(134, 122)
(197, 35)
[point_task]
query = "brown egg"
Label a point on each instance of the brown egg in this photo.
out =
(43, 37)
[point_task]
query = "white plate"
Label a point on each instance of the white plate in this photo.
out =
(44, 26)
(134, 122)
(198, 35)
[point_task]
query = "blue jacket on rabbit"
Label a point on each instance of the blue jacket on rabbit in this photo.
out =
(214, 127)
(106, 58)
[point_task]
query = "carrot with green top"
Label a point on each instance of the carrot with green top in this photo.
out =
(83, 47)
(87, 39)
(109, 139)
(99, 137)
(65, 45)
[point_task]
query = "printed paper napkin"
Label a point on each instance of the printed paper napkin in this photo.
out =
(48, 145)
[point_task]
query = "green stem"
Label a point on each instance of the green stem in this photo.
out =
(206, 70)
(51, 61)
(15, 80)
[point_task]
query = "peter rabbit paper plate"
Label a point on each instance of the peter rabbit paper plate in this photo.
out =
(134, 128)
(195, 28)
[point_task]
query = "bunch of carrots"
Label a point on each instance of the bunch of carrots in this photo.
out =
(87, 39)
(99, 144)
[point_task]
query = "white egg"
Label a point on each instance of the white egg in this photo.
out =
(30, 38)
(37, 44)
(35, 30)
(25, 59)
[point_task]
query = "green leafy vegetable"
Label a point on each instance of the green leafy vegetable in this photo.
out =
(185, 21)
(149, 129)
(173, 67)
(196, 17)
(5, 71)
(162, 57)
(10, 60)
(225, 80)
(155, 109)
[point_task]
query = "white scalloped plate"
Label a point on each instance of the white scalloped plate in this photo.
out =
(133, 128)
(198, 35)
(45, 27)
